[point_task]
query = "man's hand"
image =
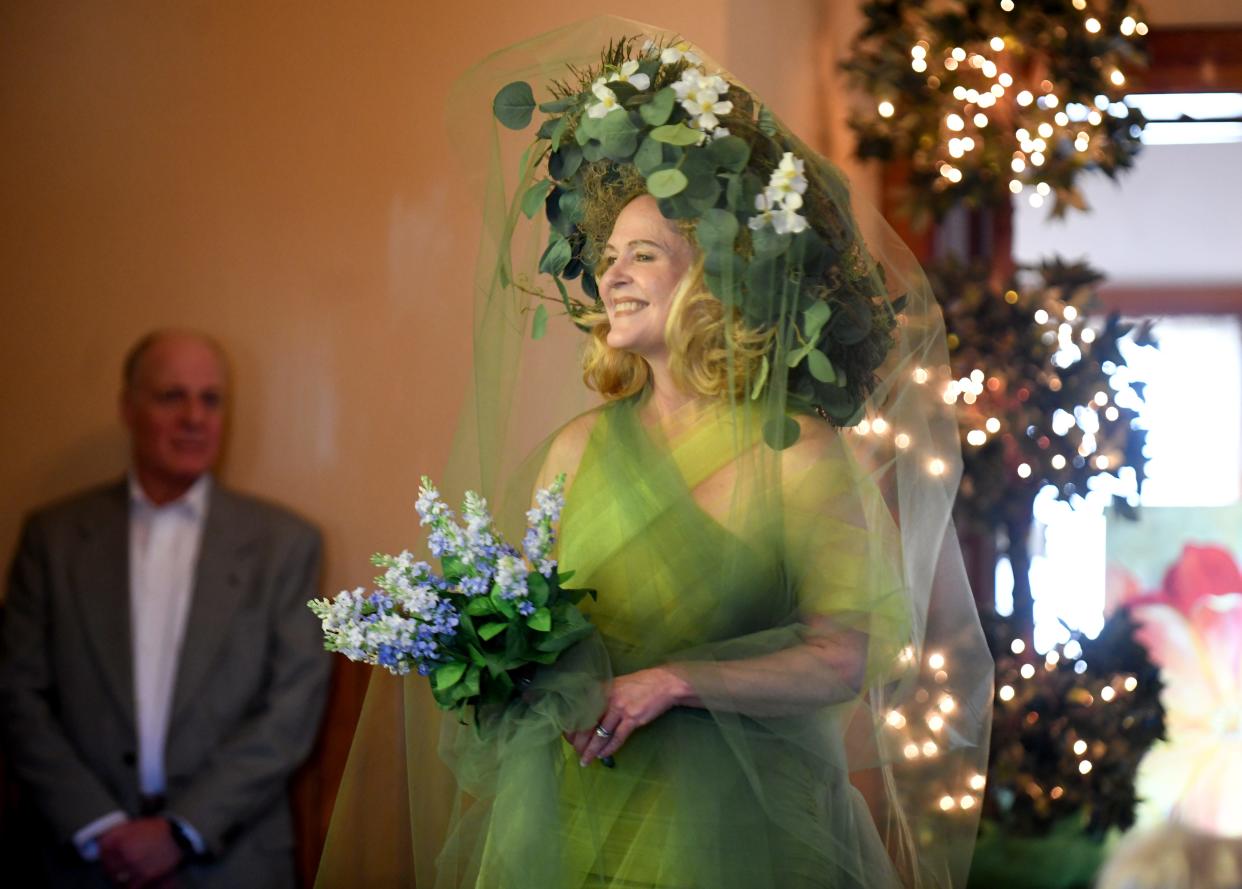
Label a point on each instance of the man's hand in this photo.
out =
(140, 854)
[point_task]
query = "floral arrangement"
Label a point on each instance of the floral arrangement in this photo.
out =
(771, 218)
(1192, 627)
(988, 101)
(478, 626)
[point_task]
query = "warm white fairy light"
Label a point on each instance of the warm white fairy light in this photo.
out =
(1027, 671)
(1085, 766)
(1018, 164)
(935, 722)
(911, 751)
(976, 437)
(1112, 414)
(936, 466)
(919, 65)
(1037, 200)
(886, 108)
(879, 426)
(967, 802)
(1005, 693)
(947, 705)
(1041, 316)
(1092, 25)
(958, 53)
(901, 440)
(992, 425)
(1006, 5)
(1080, 5)
(1005, 79)
(1080, 747)
(1015, 186)
(1107, 693)
(997, 44)
(1043, 188)
(955, 122)
(1017, 646)
(895, 719)
(1141, 29)
(1026, 97)
(920, 375)
(929, 748)
(1057, 461)
(1131, 683)
(977, 782)
(947, 803)
(935, 660)
(1024, 470)
(1117, 77)
(981, 120)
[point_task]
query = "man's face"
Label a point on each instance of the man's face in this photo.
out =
(174, 409)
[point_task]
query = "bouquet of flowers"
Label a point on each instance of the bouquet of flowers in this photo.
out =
(479, 625)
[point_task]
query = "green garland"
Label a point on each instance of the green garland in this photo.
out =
(986, 99)
(1036, 399)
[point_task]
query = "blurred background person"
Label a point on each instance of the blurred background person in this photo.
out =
(160, 674)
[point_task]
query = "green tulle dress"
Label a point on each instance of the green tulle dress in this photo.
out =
(692, 564)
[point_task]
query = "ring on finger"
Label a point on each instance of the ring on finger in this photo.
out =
(602, 732)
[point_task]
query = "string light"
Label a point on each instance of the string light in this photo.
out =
(1085, 766)
(978, 782)
(1024, 470)
(886, 108)
(1027, 671)
(1131, 683)
(1080, 747)
(1107, 693)
(1006, 693)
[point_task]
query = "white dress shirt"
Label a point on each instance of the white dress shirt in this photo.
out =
(163, 553)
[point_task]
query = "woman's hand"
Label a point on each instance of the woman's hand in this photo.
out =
(633, 701)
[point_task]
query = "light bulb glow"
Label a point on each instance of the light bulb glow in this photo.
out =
(886, 108)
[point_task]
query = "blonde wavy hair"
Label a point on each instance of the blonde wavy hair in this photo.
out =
(712, 353)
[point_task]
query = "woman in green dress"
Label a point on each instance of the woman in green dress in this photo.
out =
(788, 687)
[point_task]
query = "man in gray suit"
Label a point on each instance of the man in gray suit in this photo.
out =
(160, 674)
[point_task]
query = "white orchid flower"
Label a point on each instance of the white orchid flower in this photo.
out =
(691, 81)
(705, 108)
(629, 74)
(678, 51)
(788, 220)
(607, 101)
(789, 177)
(764, 206)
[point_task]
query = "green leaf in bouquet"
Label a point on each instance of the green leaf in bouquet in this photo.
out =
(666, 183)
(557, 256)
(562, 576)
(540, 621)
(491, 630)
(568, 627)
(470, 685)
(454, 569)
(446, 676)
(477, 657)
(537, 589)
(480, 606)
(504, 606)
(544, 657)
(821, 368)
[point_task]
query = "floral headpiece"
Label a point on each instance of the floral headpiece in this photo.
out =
(771, 218)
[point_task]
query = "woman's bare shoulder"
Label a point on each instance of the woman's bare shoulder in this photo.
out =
(568, 445)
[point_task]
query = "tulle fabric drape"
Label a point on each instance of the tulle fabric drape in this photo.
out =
(741, 564)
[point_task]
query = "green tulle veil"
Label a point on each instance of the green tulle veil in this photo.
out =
(709, 549)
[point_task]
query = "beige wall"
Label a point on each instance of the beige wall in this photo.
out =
(278, 174)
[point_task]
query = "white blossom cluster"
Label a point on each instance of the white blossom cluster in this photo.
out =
(779, 203)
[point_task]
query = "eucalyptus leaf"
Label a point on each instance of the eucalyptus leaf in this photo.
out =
(815, 318)
(539, 326)
(677, 134)
(514, 105)
(656, 112)
(666, 183)
(558, 131)
(592, 151)
(570, 206)
(564, 162)
(820, 367)
(781, 432)
(729, 152)
(767, 243)
(559, 105)
(649, 157)
(756, 388)
(556, 257)
(548, 127)
(717, 230)
(534, 197)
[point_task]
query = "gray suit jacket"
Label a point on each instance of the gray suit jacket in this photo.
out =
(248, 695)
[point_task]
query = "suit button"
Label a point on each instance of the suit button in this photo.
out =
(129, 758)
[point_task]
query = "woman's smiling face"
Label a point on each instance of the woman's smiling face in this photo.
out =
(645, 259)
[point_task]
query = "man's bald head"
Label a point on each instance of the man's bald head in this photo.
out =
(173, 403)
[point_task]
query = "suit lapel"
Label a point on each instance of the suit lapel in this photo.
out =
(220, 580)
(101, 582)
